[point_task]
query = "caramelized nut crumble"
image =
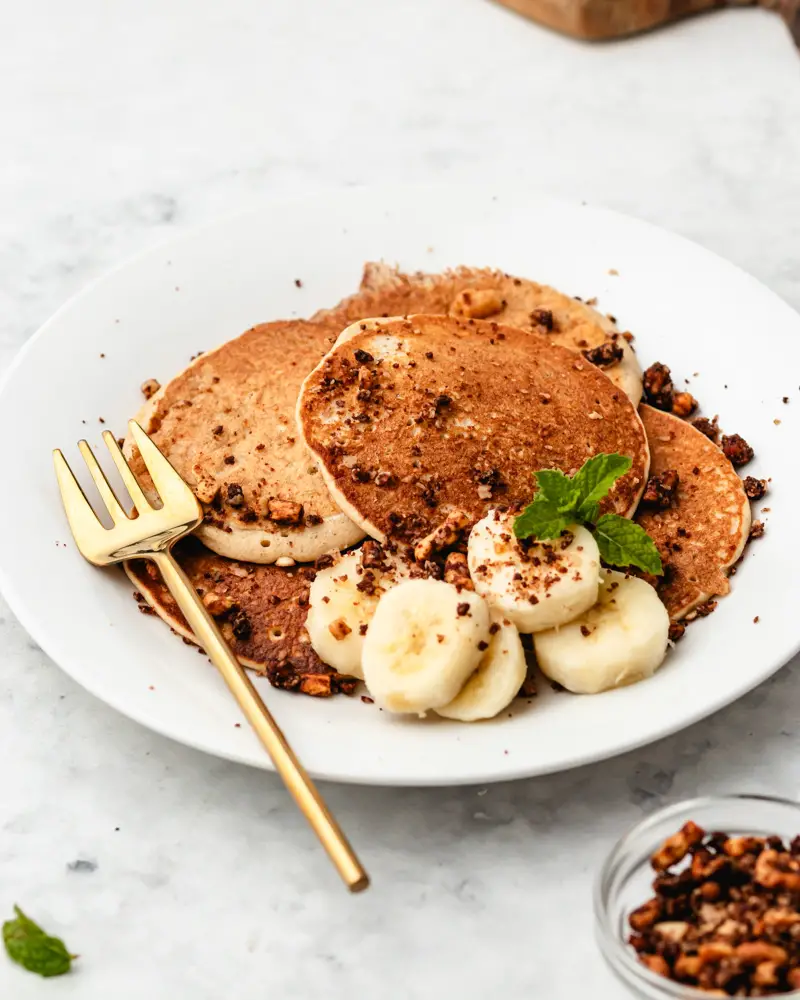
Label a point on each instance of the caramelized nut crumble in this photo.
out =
(727, 922)
(604, 355)
(150, 387)
(285, 511)
(657, 385)
(707, 427)
(445, 535)
(661, 489)
(736, 449)
(456, 571)
(683, 404)
(755, 488)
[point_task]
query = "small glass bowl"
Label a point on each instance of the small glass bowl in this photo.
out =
(624, 881)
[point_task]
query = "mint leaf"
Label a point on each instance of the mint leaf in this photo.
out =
(562, 500)
(542, 519)
(623, 543)
(29, 946)
(596, 477)
(553, 485)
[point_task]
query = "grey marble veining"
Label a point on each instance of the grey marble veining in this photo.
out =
(179, 876)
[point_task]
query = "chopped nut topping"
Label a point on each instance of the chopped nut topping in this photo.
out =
(676, 631)
(661, 489)
(729, 921)
(657, 385)
(684, 404)
(363, 357)
(604, 355)
(707, 427)
(757, 529)
(285, 511)
(242, 628)
(318, 685)
(372, 555)
(386, 480)
(150, 387)
(217, 604)
(704, 610)
(755, 488)
(736, 449)
(447, 534)
(234, 495)
(456, 572)
(676, 847)
(543, 317)
(339, 629)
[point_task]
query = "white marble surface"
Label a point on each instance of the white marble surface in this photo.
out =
(124, 122)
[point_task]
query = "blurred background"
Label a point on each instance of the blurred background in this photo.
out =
(124, 123)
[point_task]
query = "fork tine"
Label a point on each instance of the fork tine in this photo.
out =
(102, 484)
(168, 482)
(82, 519)
(131, 485)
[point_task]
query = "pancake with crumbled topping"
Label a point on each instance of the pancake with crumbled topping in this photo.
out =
(227, 425)
(482, 293)
(261, 610)
(704, 530)
(412, 418)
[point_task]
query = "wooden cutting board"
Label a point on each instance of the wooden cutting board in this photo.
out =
(594, 19)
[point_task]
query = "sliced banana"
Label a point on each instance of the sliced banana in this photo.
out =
(621, 640)
(424, 641)
(538, 586)
(339, 612)
(497, 681)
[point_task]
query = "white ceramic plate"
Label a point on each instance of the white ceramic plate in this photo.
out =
(687, 307)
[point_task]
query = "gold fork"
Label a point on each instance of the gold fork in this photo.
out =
(151, 535)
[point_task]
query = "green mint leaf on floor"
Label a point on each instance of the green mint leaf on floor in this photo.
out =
(596, 477)
(543, 519)
(623, 543)
(559, 489)
(29, 946)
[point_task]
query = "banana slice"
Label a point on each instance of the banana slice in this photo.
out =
(536, 586)
(497, 681)
(425, 640)
(621, 640)
(339, 612)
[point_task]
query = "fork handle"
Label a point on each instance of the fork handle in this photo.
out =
(258, 715)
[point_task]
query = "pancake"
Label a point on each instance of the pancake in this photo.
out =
(260, 609)
(702, 533)
(227, 425)
(411, 418)
(481, 293)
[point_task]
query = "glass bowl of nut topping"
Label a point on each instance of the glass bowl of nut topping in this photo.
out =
(703, 899)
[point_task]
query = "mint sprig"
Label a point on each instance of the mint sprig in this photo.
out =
(32, 948)
(624, 543)
(562, 500)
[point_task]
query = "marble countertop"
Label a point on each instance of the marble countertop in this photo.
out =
(125, 122)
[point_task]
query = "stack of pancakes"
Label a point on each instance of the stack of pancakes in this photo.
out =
(417, 396)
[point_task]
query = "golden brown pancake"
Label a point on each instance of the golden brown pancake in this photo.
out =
(227, 425)
(261, 610)
(482, 293)
(702, 533)
(410, 418)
